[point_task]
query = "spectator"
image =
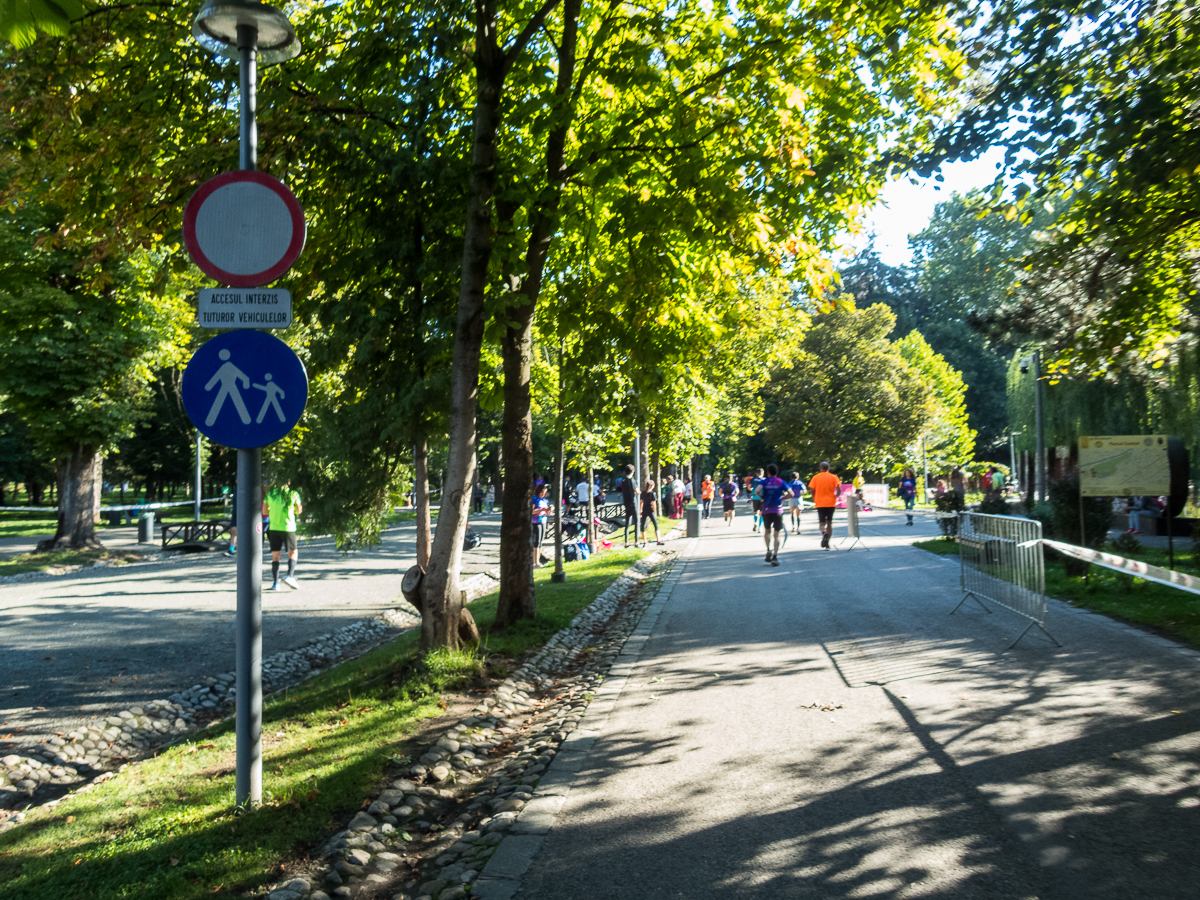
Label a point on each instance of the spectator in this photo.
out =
(677, 497)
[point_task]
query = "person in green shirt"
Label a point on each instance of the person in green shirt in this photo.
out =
(282, 504)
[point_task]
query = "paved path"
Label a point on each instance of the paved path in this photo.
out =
(82, 644)
(825, 730)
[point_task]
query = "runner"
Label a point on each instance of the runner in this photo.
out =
(824, 486)
(907, 490)
(729, 495)
(798, 489)
(708, 490)
(755, 497)
(650, 513)
(772, 491)
(280, 507)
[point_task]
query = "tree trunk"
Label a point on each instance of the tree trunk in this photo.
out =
(77, 507)
(516, 555)
(517, 599)
(421, 500)
(441, 599)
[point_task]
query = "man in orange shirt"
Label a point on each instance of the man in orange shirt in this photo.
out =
(824, 486)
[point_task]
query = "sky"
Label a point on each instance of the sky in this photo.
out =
(906, 208)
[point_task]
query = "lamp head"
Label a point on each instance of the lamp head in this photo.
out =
(215, 28)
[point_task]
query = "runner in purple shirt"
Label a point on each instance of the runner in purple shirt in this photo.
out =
(772, 491)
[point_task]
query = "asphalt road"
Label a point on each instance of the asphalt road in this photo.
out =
(826, 730)
(83, 644)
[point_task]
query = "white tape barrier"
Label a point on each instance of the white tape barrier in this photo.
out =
(1129, 566)
(105, 509)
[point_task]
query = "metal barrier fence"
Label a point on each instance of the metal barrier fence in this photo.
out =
(1002, 561)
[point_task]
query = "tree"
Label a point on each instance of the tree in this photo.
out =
(77, 349)
(1092, 102)
(948, 438)
(847, 395)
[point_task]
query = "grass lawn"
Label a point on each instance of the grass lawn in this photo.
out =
(1164, 609)
(166, 827)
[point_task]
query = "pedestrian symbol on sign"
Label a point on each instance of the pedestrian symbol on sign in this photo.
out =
(230, 364)
(228, 376)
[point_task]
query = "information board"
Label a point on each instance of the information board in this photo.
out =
(1127, 465)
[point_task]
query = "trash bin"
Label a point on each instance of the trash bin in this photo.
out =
(146, 529)
(693, 521)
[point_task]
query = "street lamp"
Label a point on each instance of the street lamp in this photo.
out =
(251, 33)
(1034, 361)
(1012, 460)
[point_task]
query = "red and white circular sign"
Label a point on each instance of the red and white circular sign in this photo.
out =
(243, 229)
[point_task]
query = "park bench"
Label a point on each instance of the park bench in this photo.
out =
(195, 537)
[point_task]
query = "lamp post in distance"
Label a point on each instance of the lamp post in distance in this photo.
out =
(1034, 361)
(251, 33)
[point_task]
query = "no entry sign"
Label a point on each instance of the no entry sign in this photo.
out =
(243, 229)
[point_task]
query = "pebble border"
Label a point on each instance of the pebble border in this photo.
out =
(96, 748)
(432, 843)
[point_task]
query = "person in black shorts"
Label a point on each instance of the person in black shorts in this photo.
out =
(772, 491)
(729, 493)
(629, 497)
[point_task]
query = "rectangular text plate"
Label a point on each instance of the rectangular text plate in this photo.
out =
(245, 308)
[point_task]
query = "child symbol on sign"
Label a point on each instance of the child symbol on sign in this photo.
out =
(274, 392)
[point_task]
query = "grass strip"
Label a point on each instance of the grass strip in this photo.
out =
(1163, 609)
(167, 827)
(43, 562)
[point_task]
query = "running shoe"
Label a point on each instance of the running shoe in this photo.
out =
(768, 556)
(774, 560)
(229, 551)
(290, 581)
(274, 586)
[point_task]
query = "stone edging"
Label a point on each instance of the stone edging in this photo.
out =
(501, 757)
(95, 749)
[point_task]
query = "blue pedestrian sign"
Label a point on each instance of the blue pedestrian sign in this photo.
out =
(245, 389)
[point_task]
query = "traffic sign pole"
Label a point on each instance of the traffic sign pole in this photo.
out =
(249, 505)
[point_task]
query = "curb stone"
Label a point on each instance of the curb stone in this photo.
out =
(505, 755)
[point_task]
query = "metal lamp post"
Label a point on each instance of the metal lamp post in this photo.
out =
(252, 33)
(1012, 459)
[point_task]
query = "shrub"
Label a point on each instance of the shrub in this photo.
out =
(1064, 514)
(948, 502)
(994, 504)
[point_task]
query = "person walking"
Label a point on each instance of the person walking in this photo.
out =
(772, 492)
(907, 491)
(282, 505)
(825, 486)
(650, 513)
(677, 497)
(537, 531)
(796, 501)
(489, 497)
(583, 491)
(629, 498)
(708, 491)
(729, 495)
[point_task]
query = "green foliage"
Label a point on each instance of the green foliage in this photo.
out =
(78, 343)
(1097, 514)
(993, 503)
(21, 20)
(948, 438)
(950, 501)
(847, 394)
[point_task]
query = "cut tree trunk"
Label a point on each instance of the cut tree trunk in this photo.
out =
(77, 509)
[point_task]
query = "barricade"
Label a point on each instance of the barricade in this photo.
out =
(1001, 561)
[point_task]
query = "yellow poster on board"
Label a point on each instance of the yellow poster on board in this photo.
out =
(1126, 465)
